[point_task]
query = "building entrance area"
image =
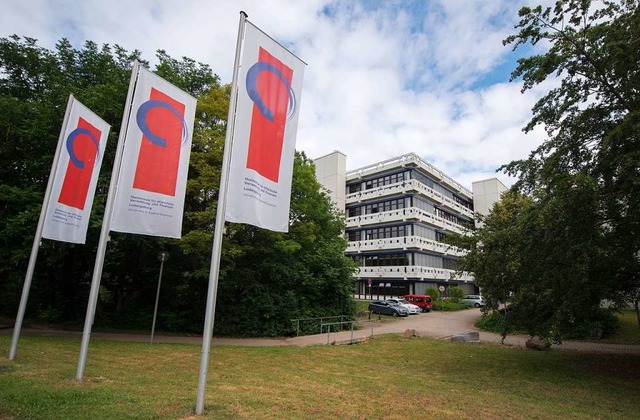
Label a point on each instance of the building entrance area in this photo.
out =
(381, 289)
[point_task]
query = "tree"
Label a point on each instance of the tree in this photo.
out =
(495, 256)
(267, 278)
(277, 276)
(582, 226)
(541, 256)
(593, 117)
(33, 92)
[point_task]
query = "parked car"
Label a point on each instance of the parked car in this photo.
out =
(476, 300)
(413, 309)
(387, 308)
(422, 301)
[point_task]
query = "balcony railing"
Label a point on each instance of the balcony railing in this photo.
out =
(404, 187)
(411, 213)
(413, 160)
(413, 272)
(405, 242)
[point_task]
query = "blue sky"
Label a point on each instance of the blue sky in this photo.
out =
(383, 77)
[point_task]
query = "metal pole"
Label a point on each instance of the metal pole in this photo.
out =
(163, 258)
(36, 239)
(104, 232)
(217, 234)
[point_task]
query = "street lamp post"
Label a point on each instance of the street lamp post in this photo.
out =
(162, 256)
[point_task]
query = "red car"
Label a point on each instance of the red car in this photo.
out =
(423, 301)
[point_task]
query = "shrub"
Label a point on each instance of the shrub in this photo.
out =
(433, 292)
(492, 321)
(449, 306)
(456, 293)
(49, 315)
(603, 323)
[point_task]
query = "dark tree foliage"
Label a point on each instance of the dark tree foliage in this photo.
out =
(34, 86)
(266, 279)
(538, 257)
(593, 117)
(278, 276)
(577, 241)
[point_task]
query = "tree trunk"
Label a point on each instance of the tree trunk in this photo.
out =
(637, 306)
(505, 330)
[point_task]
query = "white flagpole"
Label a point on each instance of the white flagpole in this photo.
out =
(38, 236)
(106, 222)
(214, 270)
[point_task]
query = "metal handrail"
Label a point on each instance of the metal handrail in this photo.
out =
(371, 322)
(321, 319)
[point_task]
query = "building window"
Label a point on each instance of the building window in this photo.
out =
(353, 188)
(424, 232)
(463, 202)
(354, 235)
(389, 260)
(354, 211)
(383, 233)
(423, 204)
(389, 205)
(428, 260)
(450, 264)
(451, 217)
(424, 179)
(385, 180)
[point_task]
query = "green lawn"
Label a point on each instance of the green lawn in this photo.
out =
(390, 376)
(629, 333)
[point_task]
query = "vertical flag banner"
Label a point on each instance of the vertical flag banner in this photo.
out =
(264, 134)
(153, 176)
(85, 138)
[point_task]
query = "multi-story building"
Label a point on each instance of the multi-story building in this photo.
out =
(485, 193)
(398, 212)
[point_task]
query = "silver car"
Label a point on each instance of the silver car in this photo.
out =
(476, 300)
(387, 308)
(410, 307)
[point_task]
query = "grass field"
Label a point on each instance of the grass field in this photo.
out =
(629, 333)
(391, 376)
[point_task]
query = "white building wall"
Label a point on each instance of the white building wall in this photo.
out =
(331, 171)
(485, 194)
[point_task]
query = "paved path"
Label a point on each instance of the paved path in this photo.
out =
(440, 325)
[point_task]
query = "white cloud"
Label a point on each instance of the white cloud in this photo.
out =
(383, 78)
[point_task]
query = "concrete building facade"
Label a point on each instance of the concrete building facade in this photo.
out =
(398, 213)
(485, 193)
(331, 172)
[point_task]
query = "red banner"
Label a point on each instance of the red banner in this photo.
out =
(159, 158)
(269, 119)
(83, 151)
